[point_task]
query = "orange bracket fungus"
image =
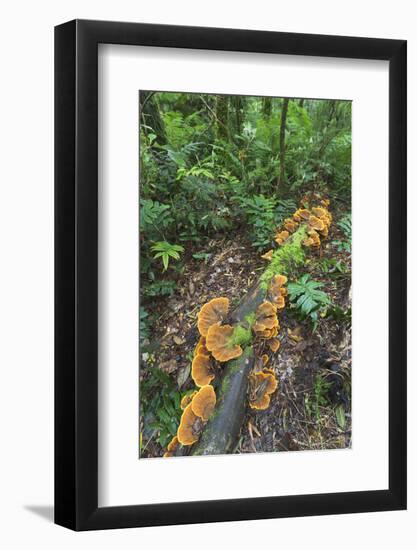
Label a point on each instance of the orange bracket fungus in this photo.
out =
(313, 239)
(190, 427)
(290, 225)
(202, 371)
(304, 214)
(316, 223)
(211, 313)
(281, 237)
(204, 402)
(186, 400)
(265, 359)
(262, 386)
(219, 341)
(268, 255)
(274, 344)
(277, 292)
(172, 447)
(201, 347)
(266, 317)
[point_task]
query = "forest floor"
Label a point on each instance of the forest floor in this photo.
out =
(311, 408)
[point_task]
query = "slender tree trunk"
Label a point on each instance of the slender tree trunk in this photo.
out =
(151, 116)
(266, 107)
(284, 111)
(222, 116)
(238, 108)
(301, 103)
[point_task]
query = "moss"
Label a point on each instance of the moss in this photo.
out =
(241, 336)
(250, 319)
(286, 258)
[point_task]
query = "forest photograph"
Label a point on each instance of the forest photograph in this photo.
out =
(245, 233)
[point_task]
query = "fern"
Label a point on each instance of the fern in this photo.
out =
(307, 298)
(285, 209)
(345, 225)
(154, 216)
(165, 251)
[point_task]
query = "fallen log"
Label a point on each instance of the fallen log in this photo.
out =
(221, 433)
(222, 430)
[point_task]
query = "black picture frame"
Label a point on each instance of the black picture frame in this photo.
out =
(76, 272)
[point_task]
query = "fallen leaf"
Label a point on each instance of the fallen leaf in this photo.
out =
(179, 341)
(183, 375)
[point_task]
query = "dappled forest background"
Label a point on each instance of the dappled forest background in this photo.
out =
(218, 175)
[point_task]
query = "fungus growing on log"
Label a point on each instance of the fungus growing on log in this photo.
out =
(262, 386)
(274, 344)
(316, 223)
(268, 255)
(266, 318)
(204, 402)
(302, 214)
(221, 433)
(277, 291)
(313, 239)
(219, 342)
(202, 371)
(290, 225)
(172, 447)
(265, 359)
(324, 232)
(186, 400)
(320, 212)
(201, 347)
(211, 313)
(281, 237)
(190, 427)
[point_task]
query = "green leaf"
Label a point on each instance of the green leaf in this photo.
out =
(341, 417)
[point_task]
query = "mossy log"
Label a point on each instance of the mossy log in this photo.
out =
(222, 430)
(221, 433)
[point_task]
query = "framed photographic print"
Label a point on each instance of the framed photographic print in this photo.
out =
(230, 275)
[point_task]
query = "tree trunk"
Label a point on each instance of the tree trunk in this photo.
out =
(266, 107)
(151, 116)
(284, 111)
(222, 116)
(222, 430)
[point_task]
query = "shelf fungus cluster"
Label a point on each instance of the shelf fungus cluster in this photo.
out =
(318, 220)
(263, 381)
(197, 409)
(215, 346)
(262, 385)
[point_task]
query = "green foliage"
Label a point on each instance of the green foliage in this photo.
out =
(333, 267)
(345, 225)
(341, 417)
(143, 325)
(165, 251)
(320, 390)
(286, 259)
(259, 213)
(209, 173)
(160, 288)
(154, 217)
(306, 297)
(160, 405)
(339, 314)
(205, 256)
